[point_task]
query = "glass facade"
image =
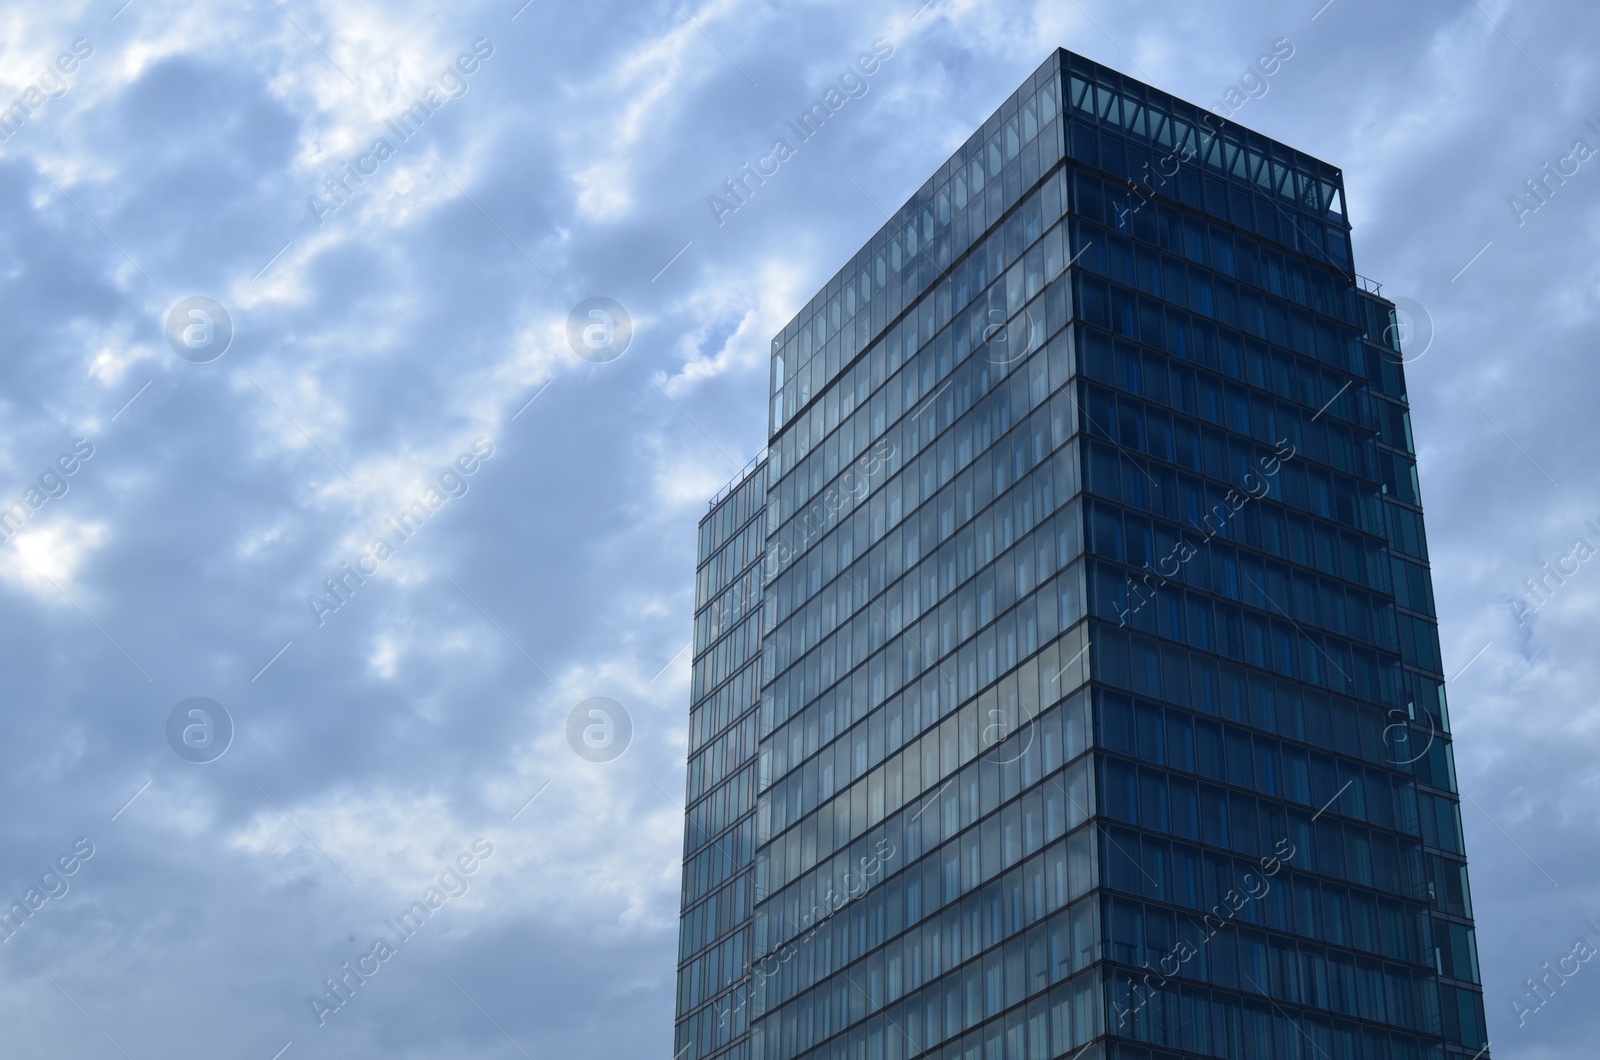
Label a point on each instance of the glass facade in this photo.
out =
(1066, 677)
(719, 828)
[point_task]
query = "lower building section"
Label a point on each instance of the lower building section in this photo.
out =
(966, 907)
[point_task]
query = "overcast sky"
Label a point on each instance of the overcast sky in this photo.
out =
(379, 334)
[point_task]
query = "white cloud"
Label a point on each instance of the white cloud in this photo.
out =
(47, 554)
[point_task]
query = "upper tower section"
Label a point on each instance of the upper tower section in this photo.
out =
(1070, 107)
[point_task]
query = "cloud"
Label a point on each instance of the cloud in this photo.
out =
(48, 555)
(430, 309)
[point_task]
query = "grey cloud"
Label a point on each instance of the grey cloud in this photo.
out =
(412, 722)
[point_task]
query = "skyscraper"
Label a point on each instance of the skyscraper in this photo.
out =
(1066, 679)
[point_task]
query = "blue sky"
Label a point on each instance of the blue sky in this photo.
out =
(419, 317)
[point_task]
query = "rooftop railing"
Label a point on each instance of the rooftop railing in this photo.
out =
(737, 480)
